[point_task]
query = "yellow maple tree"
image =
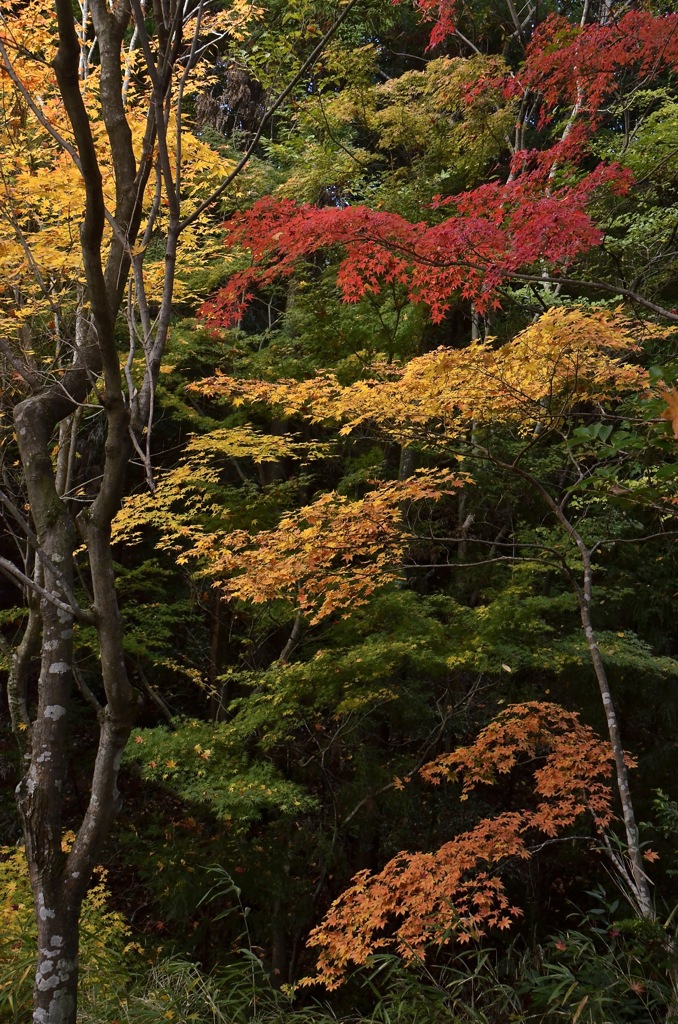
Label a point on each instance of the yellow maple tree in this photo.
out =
(565, 357)
(42, 190)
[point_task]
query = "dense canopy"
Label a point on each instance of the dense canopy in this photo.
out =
(339, 494)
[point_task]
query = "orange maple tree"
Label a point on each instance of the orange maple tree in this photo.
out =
(322, 558)
(328, 556)
(456, 892)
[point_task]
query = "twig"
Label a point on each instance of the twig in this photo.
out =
(282, 96)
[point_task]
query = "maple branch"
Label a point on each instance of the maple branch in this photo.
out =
(491, 543)
(293, 639)
(486, 561)
(417, 257)
(664, 160)
(131, 389)
(519, 32)
(622, 878)
(468, 42)
(128, 64)
(614, 289)
(638, 540)
(544, 278)
(337, 142)
(130, 177)
(160, 83)
(366, 799)
(66, 64)
(30, 259)
(17, 683)
(557, 839)
(155, 696)
(160, 74)
(32, 379)
(110, 29)
(277, 103)
(433, 740)
(190, 63)
(86, 692)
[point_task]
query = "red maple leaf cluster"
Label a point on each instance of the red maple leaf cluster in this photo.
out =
(586, 65)
(492, 233)
(536, 220)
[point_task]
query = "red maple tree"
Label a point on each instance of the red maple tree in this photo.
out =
(534, 222)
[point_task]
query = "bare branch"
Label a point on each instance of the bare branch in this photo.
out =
(35, 109)
(12, 572)
(277, 103)
(79, 612)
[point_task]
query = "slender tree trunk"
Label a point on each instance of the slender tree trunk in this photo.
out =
(641, 888)
(633, 875)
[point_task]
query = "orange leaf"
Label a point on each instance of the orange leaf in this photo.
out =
(671, 411)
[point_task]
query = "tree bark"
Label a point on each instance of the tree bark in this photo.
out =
(40, 792)
(56, 980)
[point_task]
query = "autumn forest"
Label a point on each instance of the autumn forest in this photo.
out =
(338, 511)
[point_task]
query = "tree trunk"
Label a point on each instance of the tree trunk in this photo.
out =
(56, 977)
(640, 889)
(40, 792)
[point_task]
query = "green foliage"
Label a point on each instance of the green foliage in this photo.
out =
(608, 968)
(200, 764)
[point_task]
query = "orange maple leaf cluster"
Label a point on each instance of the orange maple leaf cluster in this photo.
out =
(419, 899)
(327, 556)
(670, 413)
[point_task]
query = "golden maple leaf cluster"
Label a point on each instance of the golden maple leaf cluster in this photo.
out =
(333, 552)
(41, 188)
(567, 356)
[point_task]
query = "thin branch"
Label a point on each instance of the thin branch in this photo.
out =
(33, 106)
(278, 102)
(483, 561)
(32, 379)
(293, 639)
(421, 761)
(85, 691)
(155, 696)
(614, 289)
(190, 63)
(10, 570)
(32, 539)
(467, 42)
